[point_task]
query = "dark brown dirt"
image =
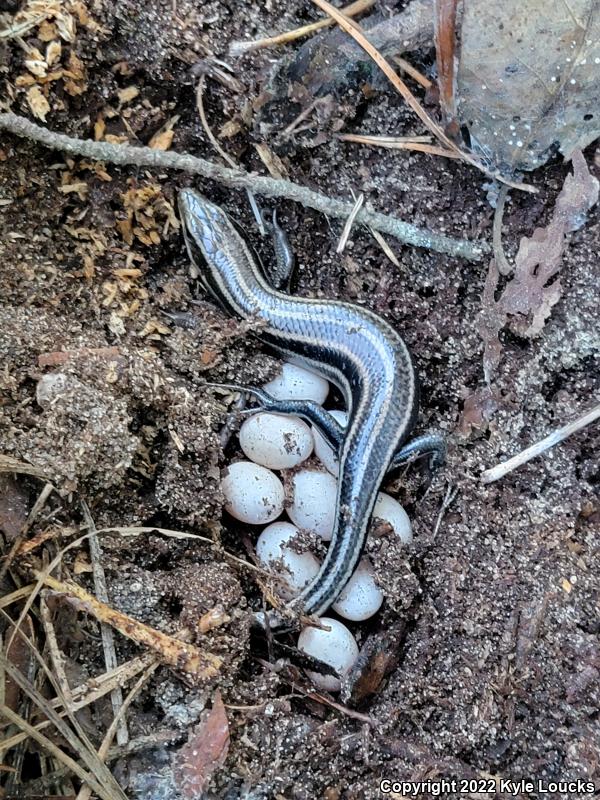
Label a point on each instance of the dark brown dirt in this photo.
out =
(498, 665)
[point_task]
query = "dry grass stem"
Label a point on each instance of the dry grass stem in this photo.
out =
(351, 10)
(500, 470)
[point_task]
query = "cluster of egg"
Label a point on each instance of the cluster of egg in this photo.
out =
(255, 494)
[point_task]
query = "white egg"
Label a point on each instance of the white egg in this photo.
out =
(296, 569)
(336, 647)
(296, 383)
(253, 494)
(276, 441)
(361, 597)
(322, 450)
(390, 510)
(312, 507)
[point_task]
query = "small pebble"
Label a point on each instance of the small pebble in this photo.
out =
(276, 441)
(296, 383)
(297, 569)
(323, 451)
(336, 647)
(253, 494)
(313, 502)
(361, 597)
(390, 510)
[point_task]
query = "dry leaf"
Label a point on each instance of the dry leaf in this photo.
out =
(47, 31)
(37, 103)
(24, 80)
(204, 752)
(162, 140)
(99, 128)
(529, 79)
(77, 187)
(74, 89)
(112, 138)
(478, 409)
(128, 94)
(534, 289)
(66, 27)
(231, 128)
(126, 230)
(36, 63)
(53, 53)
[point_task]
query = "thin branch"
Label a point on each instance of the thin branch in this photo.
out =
(89, 692)
(500, 470)
(126, 155)
(195, 663)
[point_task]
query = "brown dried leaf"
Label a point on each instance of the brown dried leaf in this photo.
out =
(478, 408)
(99, 128)
(36, 63)
(74, 89)
(204, 752)
(534, 289)
(66, 27)
(162, 140)
(47, 31)
(13, 506)
(125, 229)
(37, 102)
(53, 53)
(231, 128)
(528, 79)
(127, 94)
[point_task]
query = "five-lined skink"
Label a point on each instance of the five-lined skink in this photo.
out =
(349, 345)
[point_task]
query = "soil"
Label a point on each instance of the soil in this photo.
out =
(492, 619)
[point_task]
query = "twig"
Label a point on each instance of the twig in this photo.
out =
(194, 662)
(397, 82)
(321, 698)
(62, 356)
(358, 204)
(238, 48)
(108, 639)
(207, 130)
(126, 155)
(500, 470)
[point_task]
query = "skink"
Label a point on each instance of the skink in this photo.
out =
(349, 345)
